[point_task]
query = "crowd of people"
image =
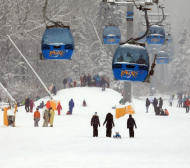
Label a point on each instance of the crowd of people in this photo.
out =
(87, 80)
(48, 115)
(95, 122)
(157, 104)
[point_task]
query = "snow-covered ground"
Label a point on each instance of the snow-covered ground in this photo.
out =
(160, 141)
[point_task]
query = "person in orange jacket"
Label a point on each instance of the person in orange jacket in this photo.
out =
(59, 108)
(36, 117)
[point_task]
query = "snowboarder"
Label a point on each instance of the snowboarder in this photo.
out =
(130, 124)
(170, 101)
(109, 124)
(147, 104)
(31, 105)
(27, 103)
(36, 117)
(95, 122)
(187, 103)
(52, 113)
(160, 102)
(84, 103)
(71, 105)
(46, 116)
(59, 108)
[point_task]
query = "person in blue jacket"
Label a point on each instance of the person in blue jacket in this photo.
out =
(71, 105)
(97, 80)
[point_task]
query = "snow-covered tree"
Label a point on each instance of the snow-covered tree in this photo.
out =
(180, 75)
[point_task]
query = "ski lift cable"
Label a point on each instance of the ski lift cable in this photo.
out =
(147, 30)
(156, 23)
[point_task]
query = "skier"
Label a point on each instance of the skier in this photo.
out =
(71, 105)
(31, 105)
(160, 103)
(84, 103)
(36, 117)
(52, 113)
(46, 117)
(155, 103)
(109, 124)
(59, 108)
(95, 122)
(170, 101)
(147, 104)
(187, 103)
(27, 103)
(130, 124)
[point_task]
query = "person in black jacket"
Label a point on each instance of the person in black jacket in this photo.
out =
(64, 83)
(27, 103)
(130, 124)
(147, 104)
(95, 122)
(109, 124)
(103, 84)
(155, 103)
(160, 103)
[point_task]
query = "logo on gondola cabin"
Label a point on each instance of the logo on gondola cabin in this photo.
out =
(56, 53)
(155, 40)
(111, 40)
(129, 73)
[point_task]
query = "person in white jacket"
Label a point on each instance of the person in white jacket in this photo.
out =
(170, 101)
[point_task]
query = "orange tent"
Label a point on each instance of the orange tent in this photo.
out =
(53, 104)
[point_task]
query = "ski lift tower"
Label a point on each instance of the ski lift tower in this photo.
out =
(9, 112)
(127, 96)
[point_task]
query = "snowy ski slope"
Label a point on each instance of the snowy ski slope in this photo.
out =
(160, 141)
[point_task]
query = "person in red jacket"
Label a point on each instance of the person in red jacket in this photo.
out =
(36, 117)
(59, 108)
(75, 83)
(187, 103)
(31, 105)
(48, 105)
